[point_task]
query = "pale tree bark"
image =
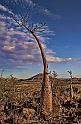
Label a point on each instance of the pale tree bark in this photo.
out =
(46, 90)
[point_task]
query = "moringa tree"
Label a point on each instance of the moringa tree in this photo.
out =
(46, 91)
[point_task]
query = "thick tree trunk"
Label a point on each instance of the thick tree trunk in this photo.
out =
(47, 94)
(46, 91)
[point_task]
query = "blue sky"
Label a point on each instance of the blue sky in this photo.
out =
(19, 53)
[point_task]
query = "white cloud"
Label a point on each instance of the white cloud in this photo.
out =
(50, 51)
(2, 26)
(58, 59)
(31, 3)
(40, 9)
(8, 48)
(3, 8)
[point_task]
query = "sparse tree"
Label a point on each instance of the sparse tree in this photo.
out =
(11, 76)
(53, 75)
(71, 89)
(2, 73)
(46, 91)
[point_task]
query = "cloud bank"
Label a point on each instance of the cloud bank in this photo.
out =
(18, 48)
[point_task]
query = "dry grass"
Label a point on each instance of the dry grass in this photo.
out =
(13, 90)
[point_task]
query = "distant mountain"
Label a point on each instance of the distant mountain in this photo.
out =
(39, 78)
(35, 78)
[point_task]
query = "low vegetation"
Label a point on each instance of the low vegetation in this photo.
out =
(20, 100)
